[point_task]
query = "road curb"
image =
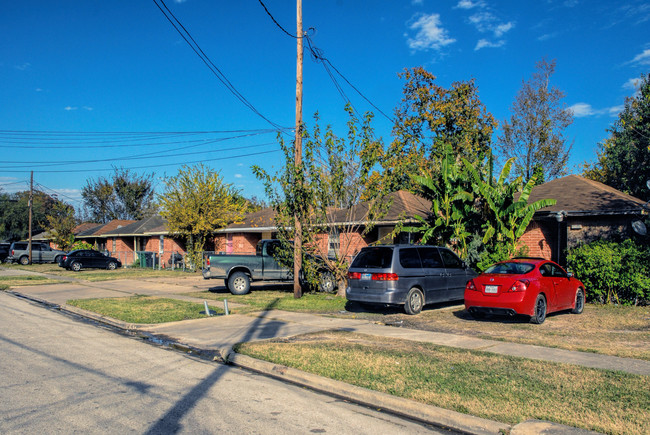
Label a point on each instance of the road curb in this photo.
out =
(433, 415)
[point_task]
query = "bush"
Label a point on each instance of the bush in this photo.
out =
(613, 271)
(80, 244)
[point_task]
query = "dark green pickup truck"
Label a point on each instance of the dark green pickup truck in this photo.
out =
(238, 271)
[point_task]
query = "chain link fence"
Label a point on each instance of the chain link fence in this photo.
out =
(172, 260)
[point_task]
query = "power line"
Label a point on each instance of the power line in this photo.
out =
(276, 22)
(70, 171)
(187, 37)
(31, 164)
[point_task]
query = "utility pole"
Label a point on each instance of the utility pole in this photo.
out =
(297, 154)
(31, 201)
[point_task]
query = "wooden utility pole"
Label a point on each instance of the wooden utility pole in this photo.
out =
(297, 154)
(31, 202)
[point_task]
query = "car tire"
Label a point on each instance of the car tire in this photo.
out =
(239, 283)
(326, 283)
(76, 266)
(111, 265)
(579, 302)
(414, 301)
(24, 260)
(540, 310)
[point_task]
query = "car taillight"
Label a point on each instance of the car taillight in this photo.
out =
(520, 286)
(208, 262)
(470, 285)
(385, 277)
(354, 275)
(65, 257)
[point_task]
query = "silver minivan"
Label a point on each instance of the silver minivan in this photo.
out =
(409, 275)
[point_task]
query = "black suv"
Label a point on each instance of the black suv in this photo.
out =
(41, 253)
(409, 275)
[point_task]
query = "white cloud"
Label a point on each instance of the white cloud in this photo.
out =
(239, 176)
(547, 36)
(70, 108)
(583, 110)
(89, 109)
(468, 4)
(484, 43)
(23, 67)
(430, 34)
(417, 2)
(632, 84)
(642, 58)
(486, 22)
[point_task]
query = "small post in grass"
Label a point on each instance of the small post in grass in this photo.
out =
(207, 309)
(225, 306)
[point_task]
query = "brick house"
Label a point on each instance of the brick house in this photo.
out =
(585, 211)
(345, 227)
(147, 235)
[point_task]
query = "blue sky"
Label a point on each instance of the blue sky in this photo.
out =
(70, 70)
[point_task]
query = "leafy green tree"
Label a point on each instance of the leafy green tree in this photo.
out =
(62, 222)
(196, 203)
(332, 183)
(452, 211)
(624, 157)
(14, 214)
(535, 132)
(125, 196)
(428, 119)
(505, 210)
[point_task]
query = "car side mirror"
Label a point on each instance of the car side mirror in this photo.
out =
(569, 274)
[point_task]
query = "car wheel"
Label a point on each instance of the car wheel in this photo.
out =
(414, 301)
(540, 310)
(580, 302)
(75, 266)
(239, 283)
(111, 266)
(326, 283)
(24, 260)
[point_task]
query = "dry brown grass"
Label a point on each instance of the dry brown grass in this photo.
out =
(611, 330)
(497, 387)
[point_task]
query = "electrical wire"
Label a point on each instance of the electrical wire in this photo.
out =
(276, 22)
(148, 166)
(187, 37)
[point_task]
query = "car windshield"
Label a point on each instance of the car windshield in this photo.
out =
(512, 268)
(376, 258)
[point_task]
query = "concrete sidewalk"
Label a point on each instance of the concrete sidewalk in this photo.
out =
(221, 333)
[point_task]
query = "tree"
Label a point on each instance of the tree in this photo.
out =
(125, 196)
(624, 157)
(430, 118)
(535, 132)
(14, 214)
(62, 222)
(196, 203)
(335, 174)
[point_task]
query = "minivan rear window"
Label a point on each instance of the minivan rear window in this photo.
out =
(376, 258)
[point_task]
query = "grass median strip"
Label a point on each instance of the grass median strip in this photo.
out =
(502, 388)
(144, 309)
(23, 280)
(281, 300)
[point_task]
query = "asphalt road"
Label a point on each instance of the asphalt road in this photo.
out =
(62, 375)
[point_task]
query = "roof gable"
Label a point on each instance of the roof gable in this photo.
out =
(576, 194)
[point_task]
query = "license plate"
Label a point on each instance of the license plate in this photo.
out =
(366, 276)
(491, 288)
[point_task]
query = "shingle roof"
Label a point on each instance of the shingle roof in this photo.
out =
(152, 225)
(261, 219)
(97, 230)
(403, 206)
(578, 195)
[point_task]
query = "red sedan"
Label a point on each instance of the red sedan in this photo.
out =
(528, 286)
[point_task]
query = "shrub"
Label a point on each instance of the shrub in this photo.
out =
(80, 244)
(613, 271)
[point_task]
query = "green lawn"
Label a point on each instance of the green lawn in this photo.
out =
(501, 388)
(144, 309)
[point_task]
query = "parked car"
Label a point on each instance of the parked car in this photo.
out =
(41, 253)
(4, 251)
(87, 259)
(407, 275)
(529, 286)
